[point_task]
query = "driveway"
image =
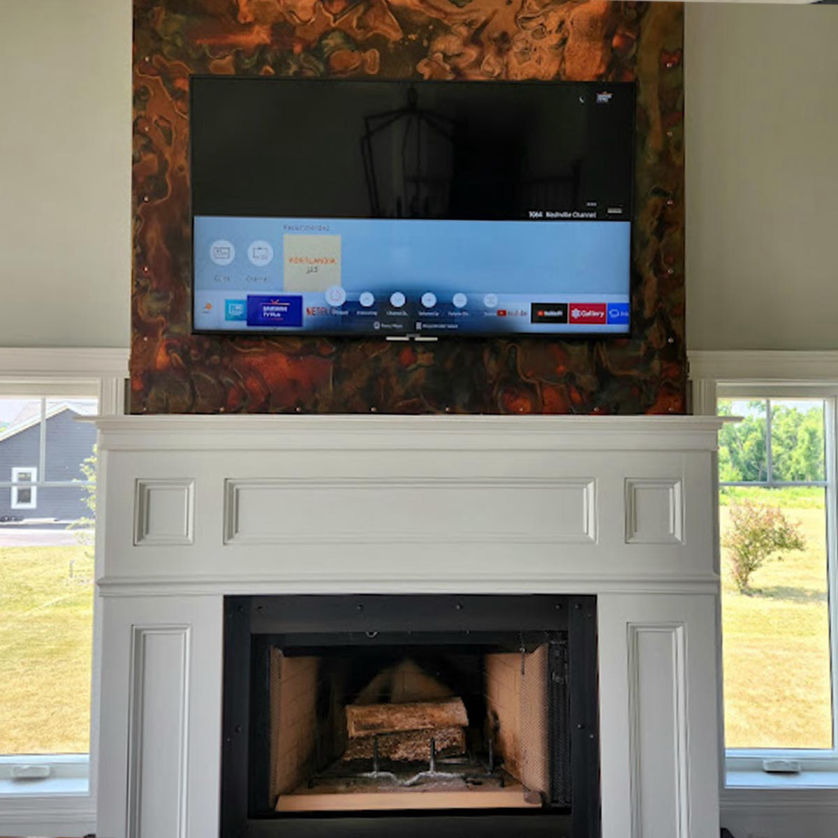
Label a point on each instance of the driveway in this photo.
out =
(26, 537)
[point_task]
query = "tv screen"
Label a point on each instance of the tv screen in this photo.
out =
(399, 208)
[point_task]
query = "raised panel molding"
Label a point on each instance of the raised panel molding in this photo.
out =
(658, 730)
(157, 731)
(654, 511)
(453, 510)
(164, 512)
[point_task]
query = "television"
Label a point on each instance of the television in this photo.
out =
(411, 208)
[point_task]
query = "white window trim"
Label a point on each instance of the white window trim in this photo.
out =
(30, 483)
(747, 790)
(65, 803)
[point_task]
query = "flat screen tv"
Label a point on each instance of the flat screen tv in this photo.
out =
(411, 208)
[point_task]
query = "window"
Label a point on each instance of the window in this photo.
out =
(46, 574)
(47, 490)
(779, 639)
(776, 485)
(24, 496)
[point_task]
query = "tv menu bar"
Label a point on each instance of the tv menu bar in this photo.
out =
(396, 313)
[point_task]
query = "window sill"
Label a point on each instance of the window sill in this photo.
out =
(47, 807)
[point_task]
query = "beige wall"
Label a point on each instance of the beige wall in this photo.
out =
(762, 176)
(65, 156)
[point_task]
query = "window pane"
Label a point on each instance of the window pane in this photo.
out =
(69, 442)
(742, 445)
(776, 631)
(46, 591)
(797, 433)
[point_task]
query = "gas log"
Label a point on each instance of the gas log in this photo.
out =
(408, 745)
(370, 719)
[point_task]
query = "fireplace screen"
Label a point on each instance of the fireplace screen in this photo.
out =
(383, 707)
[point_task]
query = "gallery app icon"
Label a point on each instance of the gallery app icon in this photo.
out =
(235, 310)
(588, 313)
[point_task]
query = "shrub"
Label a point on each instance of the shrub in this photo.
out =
(757, 533)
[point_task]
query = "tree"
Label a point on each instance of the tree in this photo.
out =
(742, 452)
(84, 525)
(757, 533)
(797, 443)
(797, 440)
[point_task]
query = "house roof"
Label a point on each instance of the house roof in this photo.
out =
(30, 414)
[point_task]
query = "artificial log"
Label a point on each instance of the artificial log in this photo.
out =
(408, 746)
(369, 719)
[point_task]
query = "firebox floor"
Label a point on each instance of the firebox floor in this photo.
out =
(404, 790)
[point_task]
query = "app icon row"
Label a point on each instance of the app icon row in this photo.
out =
(591, 314)
(336, 296)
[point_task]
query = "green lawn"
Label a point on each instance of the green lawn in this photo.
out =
(46, 620)
(776, 645)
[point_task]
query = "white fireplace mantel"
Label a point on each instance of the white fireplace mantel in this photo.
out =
(192, 508)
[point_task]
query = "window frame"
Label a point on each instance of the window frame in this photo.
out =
(813, 758)
(65, 802)
(779, 375)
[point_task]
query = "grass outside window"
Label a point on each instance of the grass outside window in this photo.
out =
(775, 478)
(777, 680)
(46, 614)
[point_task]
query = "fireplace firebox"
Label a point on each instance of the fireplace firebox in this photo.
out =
(413, 715)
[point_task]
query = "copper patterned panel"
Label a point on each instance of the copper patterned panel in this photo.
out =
(173, 371)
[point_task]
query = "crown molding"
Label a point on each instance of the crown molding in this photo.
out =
(62, 362)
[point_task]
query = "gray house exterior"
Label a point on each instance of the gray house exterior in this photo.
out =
(68, 444)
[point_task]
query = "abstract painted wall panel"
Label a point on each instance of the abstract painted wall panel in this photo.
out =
(174, 371)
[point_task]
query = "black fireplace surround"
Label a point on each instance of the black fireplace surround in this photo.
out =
(451, 637)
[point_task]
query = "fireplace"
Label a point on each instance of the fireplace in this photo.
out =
(298, 611)
(409, 713)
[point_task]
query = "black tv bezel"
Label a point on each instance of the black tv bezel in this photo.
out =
(579, 334)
